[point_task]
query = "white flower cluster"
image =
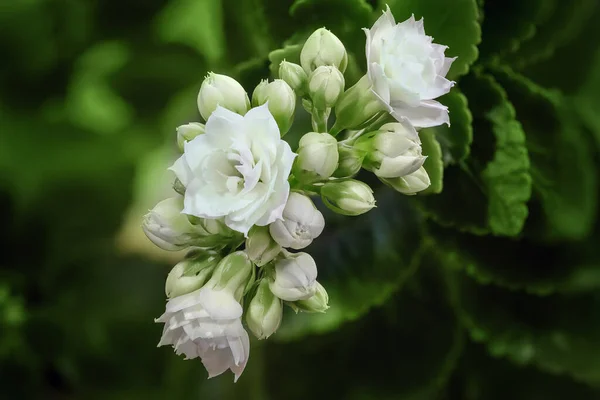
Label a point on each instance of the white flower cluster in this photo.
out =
(240, 185)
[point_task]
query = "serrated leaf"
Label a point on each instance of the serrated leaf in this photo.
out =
(455, 139)
(361, 263)
(451, 23)
(433, 164)
(540, 331)
(487, 192)
(562, 167)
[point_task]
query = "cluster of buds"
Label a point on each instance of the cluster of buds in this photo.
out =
(244, 206)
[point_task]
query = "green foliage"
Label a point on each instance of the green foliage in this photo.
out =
(433, 164)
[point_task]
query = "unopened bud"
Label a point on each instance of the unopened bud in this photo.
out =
(319, 302)
(295, 277)
(233, 273)
(294, 75)
(317, 157)
(191, 273)
(265, 312)
(167, 227)
(348, 197)
(301, 223)
(281, 102)
(260, 246)
(187, 132)
(357, 107)
(350, 162)
(325, 85)
(323, 48)
(224, 91)
(410, 184)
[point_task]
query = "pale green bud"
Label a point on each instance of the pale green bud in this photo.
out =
(301, 222)
(265, 312)
(224, 91)
(392, 151)
(325, 85)
(319, 302)
(348, 197)
(317, 157)
(260, 246)
(191, 273)
(212, 232)
(187, 132)
(294, 75)
(282, 102)
(167, 227)
(410, 184)
(350, 162)
(233, 273)
(295, 277)
(357, 107)
(323, 48)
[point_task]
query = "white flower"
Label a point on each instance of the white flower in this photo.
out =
(295, 277)
(167, 227)
(237, 170)
(301, 223)
(407, 70)
(207, 324)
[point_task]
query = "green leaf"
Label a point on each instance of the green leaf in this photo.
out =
(361, 263)
(487, 192)
(416, 329)
(559, 29)
(197, 24)
(564, 174)
(451, 23)
(540, 331)
(290, 53)
(455, 139)
(433, 164)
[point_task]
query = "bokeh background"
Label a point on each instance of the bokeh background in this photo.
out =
(90, 94)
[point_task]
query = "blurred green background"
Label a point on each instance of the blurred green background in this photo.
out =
(90, 94)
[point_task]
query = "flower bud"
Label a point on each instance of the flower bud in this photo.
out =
(392, 151)
(295, 277)
(233, 274)
(293, 75)
(317, 157)
(323, 48)
(410, 184)
(167, 227)
(224, 91)
(282, 102)
(301, 223)
(187, 132)
(348, 197)
(357, 107)
(265, 312)
(325, 85)
(260, 246)
(191, 273)
(350, 162)
(316, 303)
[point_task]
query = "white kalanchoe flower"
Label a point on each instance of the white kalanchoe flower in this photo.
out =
(281, 101)
(294, 75)
(191, 273)
(167, 227)
(301, 223)
(323, 48)
(317, 157)
(206, 323)
(222, 90)
(392, 151)
(187, 132)
(295, 277)
(238, 170)
(410, 184)
(348, 197)
(260, 246)
(407, 70)
(319, 302)
(325, 85)
(265, 312)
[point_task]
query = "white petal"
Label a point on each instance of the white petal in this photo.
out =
(443, 71)
(380, 83)
(429, 113)
(260, 125)
(440, 87)
(182, 170)
(219, 304)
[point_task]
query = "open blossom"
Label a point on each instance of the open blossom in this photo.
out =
(407, 70)
(237, 170)
(207, 324)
